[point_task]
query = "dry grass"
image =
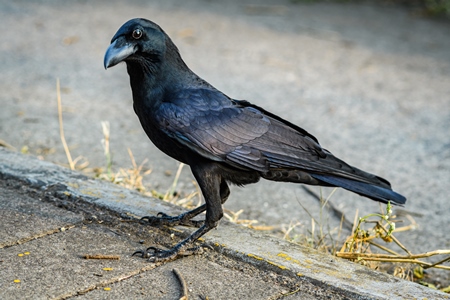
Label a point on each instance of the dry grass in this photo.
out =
(370, 243)
(80, 162)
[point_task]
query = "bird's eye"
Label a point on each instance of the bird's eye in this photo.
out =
(137, 34)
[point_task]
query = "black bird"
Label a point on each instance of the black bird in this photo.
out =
(223, 140)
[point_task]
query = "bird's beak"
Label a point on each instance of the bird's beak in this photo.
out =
(117, 52)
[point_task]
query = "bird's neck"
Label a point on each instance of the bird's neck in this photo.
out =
(150, 81)
(144, 86)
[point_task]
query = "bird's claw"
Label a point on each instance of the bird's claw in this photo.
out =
(164, 219)
(152, 220)
(156, 255)
(162, 215)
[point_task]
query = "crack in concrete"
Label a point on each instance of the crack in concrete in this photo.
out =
(36, 236)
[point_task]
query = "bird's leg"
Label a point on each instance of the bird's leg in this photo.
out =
(182, 219)
(181, 249)
(213, 188)
(224, 191)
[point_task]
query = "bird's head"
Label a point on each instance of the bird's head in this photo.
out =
(137, 41)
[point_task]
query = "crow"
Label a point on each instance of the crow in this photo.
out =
(223, 140)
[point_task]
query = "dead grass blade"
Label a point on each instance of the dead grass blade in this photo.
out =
(61, 127)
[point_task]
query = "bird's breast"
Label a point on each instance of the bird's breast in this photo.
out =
(160, 139)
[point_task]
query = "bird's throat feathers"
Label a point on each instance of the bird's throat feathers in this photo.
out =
(156, 71)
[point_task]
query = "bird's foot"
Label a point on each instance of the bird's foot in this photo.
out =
(164, 219)
(156, 255)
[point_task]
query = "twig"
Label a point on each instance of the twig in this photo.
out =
(6, 145)
(405, 228)
(394, 259)
(61, 126)
(384, 248)
(290, 292)
(101, 256)
(438, 263)
(412, 256)
(180, 278)
(397, 241)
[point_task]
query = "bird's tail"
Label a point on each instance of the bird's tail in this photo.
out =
(378, 193)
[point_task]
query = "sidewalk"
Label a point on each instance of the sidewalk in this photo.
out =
(51, 217)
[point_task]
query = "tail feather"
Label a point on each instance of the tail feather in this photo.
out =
(371, 191)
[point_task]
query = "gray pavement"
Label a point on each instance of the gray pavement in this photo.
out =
(53, 217)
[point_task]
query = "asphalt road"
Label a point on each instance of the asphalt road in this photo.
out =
(372, 83)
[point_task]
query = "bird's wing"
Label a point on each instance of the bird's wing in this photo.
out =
(237, 132)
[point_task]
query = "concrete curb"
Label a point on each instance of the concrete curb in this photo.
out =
(255, 248)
